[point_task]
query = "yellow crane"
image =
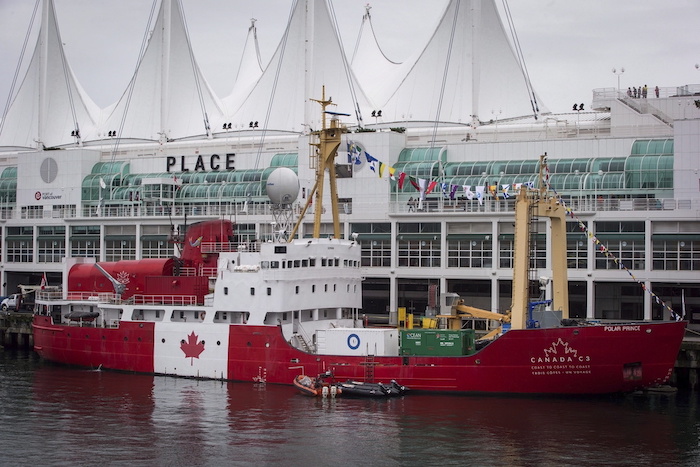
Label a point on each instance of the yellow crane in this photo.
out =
(530, 204)
(323, 160)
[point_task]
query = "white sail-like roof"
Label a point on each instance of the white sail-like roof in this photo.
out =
(50, 104)
(369, 62)
(308, 57)
(467, 71)
(249, 71)
(170, 96)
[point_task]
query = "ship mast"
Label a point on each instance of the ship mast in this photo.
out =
(322, 160)
(531, 204)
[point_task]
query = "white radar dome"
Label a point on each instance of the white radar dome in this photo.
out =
(282, 186)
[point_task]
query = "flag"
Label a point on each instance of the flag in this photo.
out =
(372, 163)
(422, 183)
(354, 154)
(469, 192)
(431, 186)
(382, 166)
(453, 191)
(480, 194)
(682, 304)
(505, 189)
(44, 282)
(103, 185)
(402, 177)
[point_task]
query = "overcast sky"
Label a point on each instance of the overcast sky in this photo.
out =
(570, 46)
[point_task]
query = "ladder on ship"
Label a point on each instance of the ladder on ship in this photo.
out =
(303, 344)
(369, 364)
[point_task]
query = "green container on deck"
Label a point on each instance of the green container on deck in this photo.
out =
(437, 342)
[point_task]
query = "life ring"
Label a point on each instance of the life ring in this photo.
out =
(353, 341)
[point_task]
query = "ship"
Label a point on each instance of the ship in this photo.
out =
(267, 312)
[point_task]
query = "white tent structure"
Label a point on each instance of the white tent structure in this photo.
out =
(50, 107)
(467, 72)
(168, 97)
(308, 58)
(378, 75)
(249, 71)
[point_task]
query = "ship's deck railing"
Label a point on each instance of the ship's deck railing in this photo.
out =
(106, 297)
(90, 296)
(201, 271)
(164, 299)
(49, 295)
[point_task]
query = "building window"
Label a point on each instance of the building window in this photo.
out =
(155, 249)
(576, 247)
(676, 255)
(19, 251)
(419, 253)
(624, 245)
(538, 256)
(505, 253)
(630, 253)
(474, 253)
(116, 250)
(51, 251)
(376, 253)
(85, 241)
(85, 248)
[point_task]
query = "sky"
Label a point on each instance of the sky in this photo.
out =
(570, 46)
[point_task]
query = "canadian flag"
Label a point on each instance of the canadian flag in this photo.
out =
(44, 282)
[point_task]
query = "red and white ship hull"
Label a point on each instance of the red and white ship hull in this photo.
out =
(594, 359)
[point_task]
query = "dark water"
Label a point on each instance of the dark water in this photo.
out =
(52, 415)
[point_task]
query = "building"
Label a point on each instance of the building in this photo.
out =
(121, 182)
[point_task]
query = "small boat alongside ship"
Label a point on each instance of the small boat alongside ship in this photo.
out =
(278, 310)
(374, 390)
(325, 385)
(316, 387)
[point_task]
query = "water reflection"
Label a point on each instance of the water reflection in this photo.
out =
(91, 417)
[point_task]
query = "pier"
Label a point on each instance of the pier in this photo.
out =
(685, 374)
(16, 330)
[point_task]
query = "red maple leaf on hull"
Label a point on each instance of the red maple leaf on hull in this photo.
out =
(192, 348)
